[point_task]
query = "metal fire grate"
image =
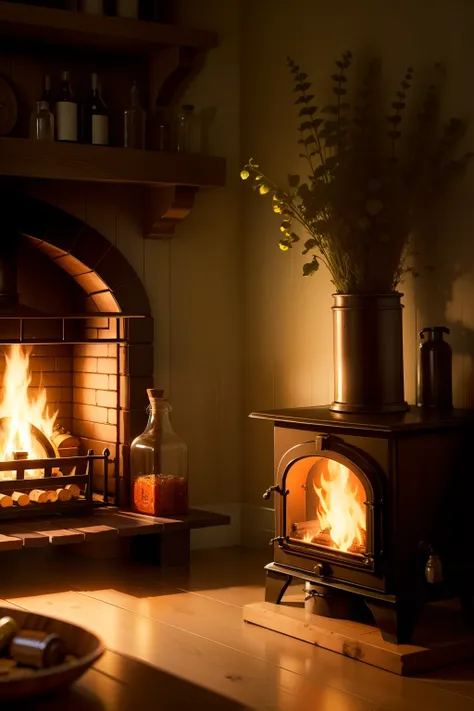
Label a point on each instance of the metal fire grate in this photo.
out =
(84, 504)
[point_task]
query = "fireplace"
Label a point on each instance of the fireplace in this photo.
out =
(373, 509)
(76, 358)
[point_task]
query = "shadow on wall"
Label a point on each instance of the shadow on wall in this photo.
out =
(444, 287)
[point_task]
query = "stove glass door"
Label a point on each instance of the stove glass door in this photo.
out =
(326, 506)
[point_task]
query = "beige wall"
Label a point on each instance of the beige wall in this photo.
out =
(193, 281)
(288, 349)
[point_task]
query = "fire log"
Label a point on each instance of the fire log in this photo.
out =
(74, 489)
(308, 528)
(5, 501)
(39, 496)
(20, 498)
(64, 495)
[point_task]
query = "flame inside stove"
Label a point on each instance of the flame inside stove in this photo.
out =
(21, 409)
(341, 511)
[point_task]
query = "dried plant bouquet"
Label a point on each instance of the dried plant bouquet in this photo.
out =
(371, 179)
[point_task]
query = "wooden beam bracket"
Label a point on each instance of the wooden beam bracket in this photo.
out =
(167, 208)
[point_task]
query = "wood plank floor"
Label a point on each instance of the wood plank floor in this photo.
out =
(188, 624)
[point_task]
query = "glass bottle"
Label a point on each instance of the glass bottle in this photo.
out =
(162, 129)
(46, 95)
(42, 122)
(134, 121)
(158, 461)
(96, 122)
(66, 111)
(183, 128)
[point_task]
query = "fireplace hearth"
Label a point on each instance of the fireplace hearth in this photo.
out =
(373, 509)
(76, 357)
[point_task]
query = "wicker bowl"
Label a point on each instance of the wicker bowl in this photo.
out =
(84, 645)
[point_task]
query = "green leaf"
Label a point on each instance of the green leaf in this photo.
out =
(306, 126)
(339, 92)
(317, 123)
(311, 267)
(301, 77)
(398, 105)
(309, 139)
(293, 181)
(309, 244)
(338, 77)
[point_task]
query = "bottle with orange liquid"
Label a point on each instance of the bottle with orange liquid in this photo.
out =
(158, 461)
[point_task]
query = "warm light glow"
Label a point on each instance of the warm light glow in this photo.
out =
(341, 511)
(22, 408)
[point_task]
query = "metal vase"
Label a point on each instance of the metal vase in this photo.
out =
(368, 353)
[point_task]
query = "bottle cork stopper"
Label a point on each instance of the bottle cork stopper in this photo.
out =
(153, 393)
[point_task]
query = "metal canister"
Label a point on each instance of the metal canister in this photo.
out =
(34, 648)
(8, 629)
(435, 387)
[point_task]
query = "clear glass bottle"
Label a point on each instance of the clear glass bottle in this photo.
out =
(183, 128)
(42, 122)
(134, 121)
(158, 461)
(161, 129)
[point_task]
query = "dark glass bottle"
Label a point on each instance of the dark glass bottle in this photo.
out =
(46, 95)
(435, 386)
(96, 122)
(66, 111)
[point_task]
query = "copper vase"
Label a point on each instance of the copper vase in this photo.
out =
(368, 353)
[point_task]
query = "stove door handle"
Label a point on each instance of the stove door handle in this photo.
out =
(277, 489)
(280, 540)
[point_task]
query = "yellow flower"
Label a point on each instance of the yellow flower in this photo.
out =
(277, 209)
(283, 246)
(244, 174)
(263, 189)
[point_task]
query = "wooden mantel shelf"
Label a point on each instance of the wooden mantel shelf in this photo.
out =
(26, 158)
(64, 27)
(172, 178)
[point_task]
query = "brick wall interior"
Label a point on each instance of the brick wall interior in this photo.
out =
(98, 389)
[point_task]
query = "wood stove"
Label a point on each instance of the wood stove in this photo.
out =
(373, 509)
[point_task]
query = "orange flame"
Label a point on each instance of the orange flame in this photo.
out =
(22, 409)
(341, 509)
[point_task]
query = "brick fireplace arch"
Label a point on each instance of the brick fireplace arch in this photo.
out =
(102, 387)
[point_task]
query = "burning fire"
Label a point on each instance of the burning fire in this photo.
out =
(22, 409)
(341, 511)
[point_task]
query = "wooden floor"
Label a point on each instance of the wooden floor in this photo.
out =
(176, 635)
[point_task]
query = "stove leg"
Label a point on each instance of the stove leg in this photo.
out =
(395, 621)
(276, 586)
